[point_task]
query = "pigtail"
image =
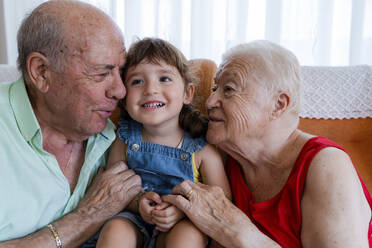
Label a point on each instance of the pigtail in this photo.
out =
(192, 121)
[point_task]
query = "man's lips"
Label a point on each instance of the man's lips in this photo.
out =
(104, 113)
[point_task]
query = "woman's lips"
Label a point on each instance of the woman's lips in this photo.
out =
(215, 119)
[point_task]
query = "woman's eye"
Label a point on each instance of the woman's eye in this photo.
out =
(227, 89)
(165, 79)
(214, 88)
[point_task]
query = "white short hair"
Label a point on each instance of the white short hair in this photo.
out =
(271, 66)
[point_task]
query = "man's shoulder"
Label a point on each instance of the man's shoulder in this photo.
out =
(4, 91)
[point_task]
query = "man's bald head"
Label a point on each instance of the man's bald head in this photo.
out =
(61, 28)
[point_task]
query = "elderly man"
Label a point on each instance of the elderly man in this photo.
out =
(55, 129)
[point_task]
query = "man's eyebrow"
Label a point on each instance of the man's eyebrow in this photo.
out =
(105, 67)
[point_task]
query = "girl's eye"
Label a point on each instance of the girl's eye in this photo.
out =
(214, 88)
(165, 79)
(136, 82)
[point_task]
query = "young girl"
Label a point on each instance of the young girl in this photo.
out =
(161, 138)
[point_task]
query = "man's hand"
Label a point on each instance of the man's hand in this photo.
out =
(165, 216)
(110, 192)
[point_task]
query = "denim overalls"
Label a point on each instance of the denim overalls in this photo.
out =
(160, 167)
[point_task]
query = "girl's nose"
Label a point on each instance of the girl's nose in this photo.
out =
(151, 87)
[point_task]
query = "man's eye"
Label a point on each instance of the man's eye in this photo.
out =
(101, 76)
(165, 79)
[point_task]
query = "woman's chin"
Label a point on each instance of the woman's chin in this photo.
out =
(213, 137)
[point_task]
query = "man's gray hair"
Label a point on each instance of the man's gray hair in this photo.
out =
(41, 31)
(271, 66)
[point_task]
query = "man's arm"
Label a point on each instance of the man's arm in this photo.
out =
(335, 211)
(109, 193)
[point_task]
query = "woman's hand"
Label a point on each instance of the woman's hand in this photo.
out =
(165, 216)
(209, 209)
(147, 204)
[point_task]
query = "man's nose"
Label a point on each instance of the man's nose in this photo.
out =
(117, 89)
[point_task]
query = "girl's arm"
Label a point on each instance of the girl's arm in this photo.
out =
(212, 168)
(117, 152)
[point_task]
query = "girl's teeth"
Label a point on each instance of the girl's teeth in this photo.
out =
(153, 105)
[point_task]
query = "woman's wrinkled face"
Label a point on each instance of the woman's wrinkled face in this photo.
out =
(238, 106)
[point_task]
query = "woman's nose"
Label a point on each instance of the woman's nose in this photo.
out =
(212, 100)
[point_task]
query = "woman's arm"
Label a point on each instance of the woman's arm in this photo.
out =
(212, 169)
(335, 211)
(214, 214)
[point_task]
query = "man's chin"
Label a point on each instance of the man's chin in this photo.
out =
(97, 126)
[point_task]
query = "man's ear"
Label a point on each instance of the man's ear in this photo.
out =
(189, 93)
(281, 104)
(38, 71)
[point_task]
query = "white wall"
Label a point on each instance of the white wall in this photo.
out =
(3, 52)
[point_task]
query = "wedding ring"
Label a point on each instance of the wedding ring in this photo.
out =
(189, 194)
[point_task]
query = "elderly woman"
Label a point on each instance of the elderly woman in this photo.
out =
(290, 188)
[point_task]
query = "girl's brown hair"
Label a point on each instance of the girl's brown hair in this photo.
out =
(154, 50)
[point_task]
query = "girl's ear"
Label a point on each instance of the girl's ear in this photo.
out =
(189, 93)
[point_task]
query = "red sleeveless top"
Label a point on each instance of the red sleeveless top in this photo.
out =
(280, 217)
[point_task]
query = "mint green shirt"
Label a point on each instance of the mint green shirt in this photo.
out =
(33, 189)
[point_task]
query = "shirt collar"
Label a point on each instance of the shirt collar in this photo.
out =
(22, 109)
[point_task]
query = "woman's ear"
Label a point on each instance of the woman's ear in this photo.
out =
(38, 71)
(281, 104)
(189, 93)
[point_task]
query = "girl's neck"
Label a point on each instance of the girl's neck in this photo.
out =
(168, 136)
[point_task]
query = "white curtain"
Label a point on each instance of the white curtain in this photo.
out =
(319, 32)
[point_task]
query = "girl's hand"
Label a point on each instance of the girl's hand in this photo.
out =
(165, 216)
(147, 204)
